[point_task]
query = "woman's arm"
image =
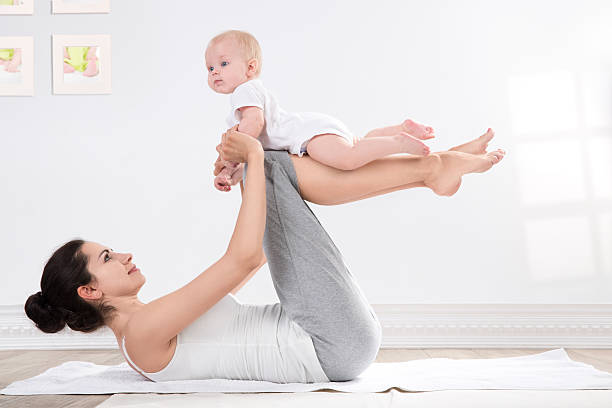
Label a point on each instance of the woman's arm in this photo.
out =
(247, 240)
(161, 320)
(262, 261)
(251, 274)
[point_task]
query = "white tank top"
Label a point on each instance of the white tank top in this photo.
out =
(243, 342)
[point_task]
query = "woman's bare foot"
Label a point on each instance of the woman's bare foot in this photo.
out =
(448, 167)
(410, 144)
(417, 130)
(478, 145)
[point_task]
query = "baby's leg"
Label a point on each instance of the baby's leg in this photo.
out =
(409, 126)
(335, 151)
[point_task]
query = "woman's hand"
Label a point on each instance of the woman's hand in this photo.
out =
(219, 164)
(237, 147)
(231, 177)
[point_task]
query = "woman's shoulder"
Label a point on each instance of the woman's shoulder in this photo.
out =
(149, 356)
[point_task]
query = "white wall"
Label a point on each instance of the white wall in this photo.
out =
(133, 170)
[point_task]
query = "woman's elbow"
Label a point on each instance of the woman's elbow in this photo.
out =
(243, 261)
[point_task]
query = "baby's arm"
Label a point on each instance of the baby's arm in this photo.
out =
(252, 121)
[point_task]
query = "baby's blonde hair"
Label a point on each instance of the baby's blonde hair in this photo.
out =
(248, 45)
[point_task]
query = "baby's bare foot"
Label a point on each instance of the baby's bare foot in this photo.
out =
(448, 167)
(410, 144)
(417, 130)
(478, 145)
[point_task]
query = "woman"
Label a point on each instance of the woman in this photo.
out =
(322, 330)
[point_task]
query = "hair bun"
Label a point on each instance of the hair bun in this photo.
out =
(47, 318)
(40, 299)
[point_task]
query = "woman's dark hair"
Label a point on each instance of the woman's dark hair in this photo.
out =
(58, 303)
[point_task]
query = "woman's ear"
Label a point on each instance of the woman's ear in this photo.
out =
(89, 292)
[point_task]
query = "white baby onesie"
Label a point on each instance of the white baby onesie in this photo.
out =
(283, 130)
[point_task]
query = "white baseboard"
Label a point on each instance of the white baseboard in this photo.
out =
(496, 325)
(404, 326)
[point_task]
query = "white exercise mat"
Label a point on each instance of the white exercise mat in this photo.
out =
(550, 370)
(390, 399)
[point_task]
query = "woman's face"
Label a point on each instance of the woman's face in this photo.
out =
(115, 276)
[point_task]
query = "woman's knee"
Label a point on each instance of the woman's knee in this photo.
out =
(371, 344)
(280, 160)
(354, 359)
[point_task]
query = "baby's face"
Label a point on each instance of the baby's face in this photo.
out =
(226, 67)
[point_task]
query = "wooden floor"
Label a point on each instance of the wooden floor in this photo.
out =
(21, 364)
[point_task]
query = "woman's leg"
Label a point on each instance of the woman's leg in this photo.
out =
(441, 171)
(314, 286)
(325, 185)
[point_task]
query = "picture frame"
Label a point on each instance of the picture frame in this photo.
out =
(9, 7)
(16, 66)
(82, 64)
(81, 6)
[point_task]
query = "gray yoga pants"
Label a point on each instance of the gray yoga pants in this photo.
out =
(313, 284)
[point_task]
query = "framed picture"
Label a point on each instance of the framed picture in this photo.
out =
(81, 6)
(16, 7)
(81, 64)
(17, 66)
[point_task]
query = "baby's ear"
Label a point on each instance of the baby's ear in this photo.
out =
(254, 64)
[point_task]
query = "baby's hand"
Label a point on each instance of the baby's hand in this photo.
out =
(223, 180)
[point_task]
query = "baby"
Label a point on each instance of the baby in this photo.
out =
(233, 60)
